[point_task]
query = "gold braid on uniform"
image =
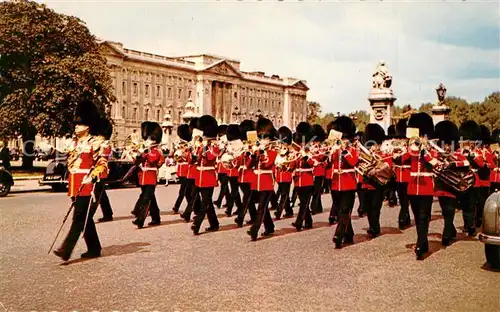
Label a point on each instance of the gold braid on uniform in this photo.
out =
(101, 169)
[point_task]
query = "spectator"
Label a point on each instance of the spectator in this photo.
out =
(4, 156)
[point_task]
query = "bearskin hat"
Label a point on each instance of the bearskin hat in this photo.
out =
(345, 125)
(233, 132)
(265, 129)
(319, 133)
(401, 128)
(446, 132)
(303, 133)
(221, 130)
(469, 131)
(245, 126)
(495, 136)
(183, 132)
(285, 135)
(423, 122)
(86, 113)
(485, 135)
(193, 123)
(375, 133)
(391, 131)
(208, 125)
(151, 130)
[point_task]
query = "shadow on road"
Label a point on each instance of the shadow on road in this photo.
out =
(114, 250)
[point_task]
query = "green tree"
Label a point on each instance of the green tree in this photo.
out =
(48, 63)
(313, 112)
(361, 119)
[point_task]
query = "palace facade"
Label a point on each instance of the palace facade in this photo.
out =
(149, 86)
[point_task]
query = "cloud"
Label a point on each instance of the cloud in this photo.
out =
(335, 46)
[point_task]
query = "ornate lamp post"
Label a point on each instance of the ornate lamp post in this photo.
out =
(167, 127)
(440, 111)
(190, 111)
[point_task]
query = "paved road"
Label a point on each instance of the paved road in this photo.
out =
(166, 268)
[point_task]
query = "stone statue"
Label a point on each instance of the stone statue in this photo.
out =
(441, 93)
(381, 78)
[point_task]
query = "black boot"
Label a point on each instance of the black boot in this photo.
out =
(91, 254)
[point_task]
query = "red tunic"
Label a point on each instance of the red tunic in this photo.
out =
(246, 174)
(343, 173)
(304, 170)
(320, 168)
(149, 164)
(368, 185)
(402, 169)
(191, 168)
(421, 177)
(264, 165)
(206, 176)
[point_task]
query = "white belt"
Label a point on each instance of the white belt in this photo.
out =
(304, 169)
(201, 168)
(474, 170)
(73, 171)
(403, 166)
(148, 169)
(421, 174)
(262, 171)
(340, 171)
(183, 163)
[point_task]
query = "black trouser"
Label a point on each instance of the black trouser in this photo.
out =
(148, 204)
(334, 211)
(224, 191)
(391, 192)
(294, 195)
(182, 193)
(361, 199)
(274, 200)
(482, 194)
(404, 213)
(193, 199)
(103, 200)
(284, 199)
(207, 208)
(495, 186)
(421, 207)
(235, 194)
(316, 205)
(467, 201)
(345, 202)
(263, 214)
(248, 203)
(373, 204)
(90, 236)
(448, 205)
(327, 184)
(304, 214)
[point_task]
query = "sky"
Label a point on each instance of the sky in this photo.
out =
(333, 45)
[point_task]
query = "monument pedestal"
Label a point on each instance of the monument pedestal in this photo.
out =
(382, 103)
(440, 113)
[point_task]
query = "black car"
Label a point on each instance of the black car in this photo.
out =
(6, 182)
(56, 174)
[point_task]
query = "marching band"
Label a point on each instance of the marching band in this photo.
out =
(459, 165)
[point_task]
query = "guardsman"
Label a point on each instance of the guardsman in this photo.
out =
(262, 161)
(470, 133)
(447, 134)
(374, 192)
(105, 131)
(319, 169)
(343, 157)
(304, 166)
(359, 139)
(284, 167)
(495, 171)
(421, 184)
(86, 166)
(194, 202)
(246, 174)
(483, 172)
(390, 191)
(233, 135)
(222, 172)
(149, 159)
(206, 177)
(402, 173)
(182, 166)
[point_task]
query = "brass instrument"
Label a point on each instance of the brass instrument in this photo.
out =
(458, 179)
(373, 167)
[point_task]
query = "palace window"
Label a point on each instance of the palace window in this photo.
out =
(134, 116)
(179, 94)
(158, 91)
(158, 115)
(146, 114)
(251, 103)
(146, 90)
(265, 105)
(170, 93)
(124, 112)
(124, 88)
(189, 94)
(135, 88)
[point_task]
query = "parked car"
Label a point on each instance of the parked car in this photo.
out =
(490, 234)
(6, 182)
(56, 174)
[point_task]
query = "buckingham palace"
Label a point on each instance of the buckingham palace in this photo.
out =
(150, 87)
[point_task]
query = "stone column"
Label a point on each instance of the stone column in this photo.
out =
(381, 97)
(199, 97)
(287, 109)
(440, 111)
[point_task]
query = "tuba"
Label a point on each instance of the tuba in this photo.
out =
(372, 167)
